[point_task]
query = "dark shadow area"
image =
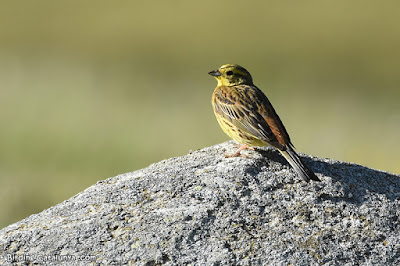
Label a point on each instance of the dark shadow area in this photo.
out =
(354, 181)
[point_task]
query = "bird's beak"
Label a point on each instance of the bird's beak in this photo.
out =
(215, 73)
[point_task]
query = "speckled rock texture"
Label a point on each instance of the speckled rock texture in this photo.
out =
(205, 209)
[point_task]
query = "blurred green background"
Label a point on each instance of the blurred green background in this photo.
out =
(92, 89)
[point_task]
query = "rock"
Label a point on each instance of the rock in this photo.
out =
(206, 209)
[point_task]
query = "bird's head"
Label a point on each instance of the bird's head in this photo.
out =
(231, 75)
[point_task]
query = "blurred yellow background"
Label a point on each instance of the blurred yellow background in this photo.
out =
(92, 89)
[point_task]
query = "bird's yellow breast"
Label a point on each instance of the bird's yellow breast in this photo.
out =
(234, 132)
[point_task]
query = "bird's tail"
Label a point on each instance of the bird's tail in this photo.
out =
(301, 169)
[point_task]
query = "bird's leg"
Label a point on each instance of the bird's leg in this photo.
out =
(237, 153)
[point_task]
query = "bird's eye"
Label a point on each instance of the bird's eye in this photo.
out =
(229, 73)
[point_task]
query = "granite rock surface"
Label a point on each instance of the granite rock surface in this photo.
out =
(205, 209)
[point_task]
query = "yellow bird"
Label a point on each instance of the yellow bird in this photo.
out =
(246, 115)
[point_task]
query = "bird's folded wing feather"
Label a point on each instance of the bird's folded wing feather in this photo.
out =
(243, 106)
